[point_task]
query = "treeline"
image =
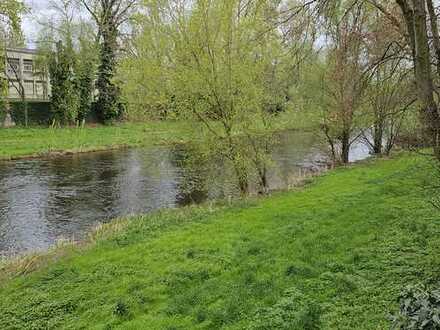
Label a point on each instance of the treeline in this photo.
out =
(78, 47)
(78, 52)
(72, 76)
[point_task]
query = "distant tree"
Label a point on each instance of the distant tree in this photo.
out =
(389, 98)
(64, 98)
(78, 39)
(108, 15)
(389, 95)
(85, 71)
(345, 81)
(10, 11)
(15, 81)
(10, 29)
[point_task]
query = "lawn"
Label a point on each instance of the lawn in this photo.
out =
(23, 142)
(331, 255)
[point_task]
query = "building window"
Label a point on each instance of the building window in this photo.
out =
(13, 66)
(27, 66)
(28, 86)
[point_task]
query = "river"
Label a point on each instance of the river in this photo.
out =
(44, 200)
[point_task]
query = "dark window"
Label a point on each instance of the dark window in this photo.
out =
(27, 66)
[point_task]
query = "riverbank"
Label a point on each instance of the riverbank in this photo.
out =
(22, 143)
(17, 143)
(334, 254)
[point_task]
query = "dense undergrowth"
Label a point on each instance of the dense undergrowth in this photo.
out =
(332, 255)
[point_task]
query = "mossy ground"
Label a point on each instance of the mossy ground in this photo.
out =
(331, 255)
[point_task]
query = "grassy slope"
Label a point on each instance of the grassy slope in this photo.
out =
(18, 142)
(334, 255)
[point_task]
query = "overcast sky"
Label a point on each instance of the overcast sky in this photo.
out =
(38, 9)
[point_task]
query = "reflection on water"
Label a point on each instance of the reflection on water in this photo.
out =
(43, 200)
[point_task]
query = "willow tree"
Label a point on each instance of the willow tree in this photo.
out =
(109, 16)
(390, 95)
(344, 81)
(214, 61)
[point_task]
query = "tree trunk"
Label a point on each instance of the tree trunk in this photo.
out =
(25, 105)
(415, 19)
(239, 168)
(108, 104)
(409, 22)
(242, 178)
(264, 185)
(423, 75)
(378, 135)
(345, 147)
(434, 31)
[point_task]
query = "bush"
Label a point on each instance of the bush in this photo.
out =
(419, 309)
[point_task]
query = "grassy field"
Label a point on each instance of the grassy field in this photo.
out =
(332, 255)
(22, 142)
(38, 141)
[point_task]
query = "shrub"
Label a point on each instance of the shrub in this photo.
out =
(121, 309)
(419, 309)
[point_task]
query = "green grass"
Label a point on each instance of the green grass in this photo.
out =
(28, 142)
(332, 255)
(40, 141)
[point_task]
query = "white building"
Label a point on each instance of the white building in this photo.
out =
(24, 77)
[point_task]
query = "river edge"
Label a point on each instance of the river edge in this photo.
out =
(28, 262)
(44, 142)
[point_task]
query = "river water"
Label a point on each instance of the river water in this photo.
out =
(44, 200)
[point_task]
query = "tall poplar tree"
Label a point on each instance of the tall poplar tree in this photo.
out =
(64, 99)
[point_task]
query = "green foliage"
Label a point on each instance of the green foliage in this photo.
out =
(419, 309)
(10, 19)
(72, 71)
(109, 16)
(108, 105)
(10, 26)
(215, 62)
(85, 71)
(64, 97)
(76, 51)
